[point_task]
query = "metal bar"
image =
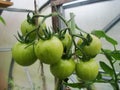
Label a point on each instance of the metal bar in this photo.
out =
(44, 5)
(60, 2)
(112, 23)
(5, 49)
(16, 10)
(29, 78)
(81, 3)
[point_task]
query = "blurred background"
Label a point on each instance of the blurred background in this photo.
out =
(89, 15)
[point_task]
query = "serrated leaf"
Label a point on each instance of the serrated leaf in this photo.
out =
(107, 53)
(2, 20)
(102, 34)
(116, 54)
(112, 54)
(106, 68)
(111, 40)
(99, 33)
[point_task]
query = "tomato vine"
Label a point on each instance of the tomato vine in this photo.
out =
(56, 48)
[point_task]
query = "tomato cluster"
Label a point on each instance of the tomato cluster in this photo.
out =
(87, 67)
(48, 50)
(60, 50)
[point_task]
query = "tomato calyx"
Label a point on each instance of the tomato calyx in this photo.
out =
(23, 39)
(47, 34)
(85, 40)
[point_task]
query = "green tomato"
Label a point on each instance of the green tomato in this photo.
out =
(27, 27)
(23, 54)
(94, 48)
(87, 70)
(63, 69)
(67, 41)
(49, 51)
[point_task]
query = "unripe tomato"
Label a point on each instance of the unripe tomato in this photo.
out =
(23, 54)
(63, 69)
(49, 51)
(94, 48)
(67, 41)
(87, 70)
(27, 27)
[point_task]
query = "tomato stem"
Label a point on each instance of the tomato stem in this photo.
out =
(43, 77)
(58, 84)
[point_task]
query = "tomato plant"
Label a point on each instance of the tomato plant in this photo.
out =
(63, 69)
(87, 70)
(23, 54)
(65, 54)
(49, 51)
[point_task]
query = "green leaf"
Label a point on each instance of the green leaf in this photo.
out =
(116, 54)
(112, 54)
(78, 85)
(102, 34)
(107, 54)
(111, 40)
(99, 76)
(99, 33)
(106, 68)
(2, 20)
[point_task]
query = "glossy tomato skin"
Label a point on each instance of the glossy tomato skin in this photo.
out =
(94, 48)
(87, 70)
(49, 51)
(23, 54)
(63, 69)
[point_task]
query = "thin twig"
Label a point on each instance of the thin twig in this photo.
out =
(43, 77)
(35, 6)
(42, 67)
(36, 12)
(58, 84)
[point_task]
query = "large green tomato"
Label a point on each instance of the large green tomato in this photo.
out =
(87, 70)
(27, 27)
(23, 54)
(94, 48)
(49, 51)
(67, 41)
(63, 69)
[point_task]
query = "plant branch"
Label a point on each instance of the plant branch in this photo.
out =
(42, 67)
(58, 84)
(35, 6)
(43, 77)
(115, 85)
